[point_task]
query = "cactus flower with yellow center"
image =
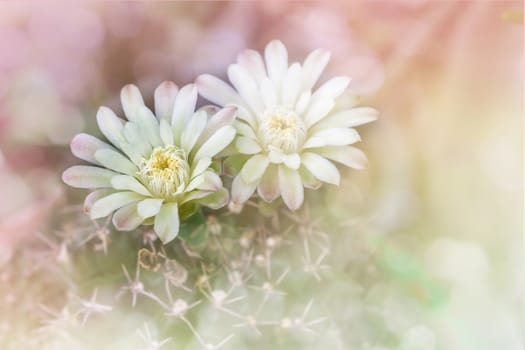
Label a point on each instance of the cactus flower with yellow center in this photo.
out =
(289, 133)
(155, 167)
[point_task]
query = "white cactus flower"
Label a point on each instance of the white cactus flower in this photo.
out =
(288, 133)
(156, 168)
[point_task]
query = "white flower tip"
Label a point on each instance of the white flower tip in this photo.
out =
(95, 211)
(372, 118)
(78, 138)
(231, 109)
(119, 225)
(188, 93)
(225, 200)
(294, 205)
(76, 144)
(345, 81)
(129, 90)
(275, 43)
(103, 112)
(292, 161)
(374, 115)
(191, 87)
(361, 163)
(166, 87)
(95, 214)
(131, 98)
(214, 186)
(66, 177)
(232, 70)
(247, 54)
(321, 55)
(203, 79)
(235, 207)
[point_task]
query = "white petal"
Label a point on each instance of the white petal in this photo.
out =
(210, 109)
(207, 181)
(308, 179)
(223, 117)
(291, 85)
(227, 151)
(246, 145)
(136, 140)
(216, 200)
(84, 146)
(133, 151)
(245, 114)
(332, 89)
(268, 187)
(314, 66)
(149, 207)
(212, 181)
(83, 176)
(291, 187)
(200, 166)
(193, 130)
(165, 95)
(268, 93)
(318, 110)
(110, 125)
(242, 191)
(244, 129)
(217, 91)
(95, 196)
(348, 118)
(166, 224)
(131, 99)
(332, 137)
(292, 161)
(105, 206)
(115, 161)
(276, 58)
(252, 61)
(321, 168)
(246, 86)
(129, 183)
(149, 125)
(127, 218)
(216, 143)
(166, 133)
(347, 155)
(303, 102)
(254, 168)
(183, 108)
(195, 195)
(276, 157)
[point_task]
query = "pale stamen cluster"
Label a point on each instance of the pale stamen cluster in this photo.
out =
(166, 172)
(281, 128)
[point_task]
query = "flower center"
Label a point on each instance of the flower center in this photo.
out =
(281, 128)
(166, 171)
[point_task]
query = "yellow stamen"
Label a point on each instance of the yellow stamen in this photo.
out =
(166, 171)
